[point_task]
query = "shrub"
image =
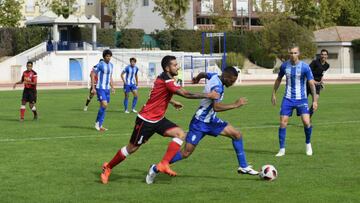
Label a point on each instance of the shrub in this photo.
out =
(130, 38)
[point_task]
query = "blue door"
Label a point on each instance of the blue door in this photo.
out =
(75, 70)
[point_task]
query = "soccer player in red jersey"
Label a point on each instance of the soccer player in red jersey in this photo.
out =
(151, 119)
(29, 79)
(92, 83)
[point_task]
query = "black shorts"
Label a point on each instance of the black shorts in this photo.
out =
(317, 87)
(90, 92)
(143, 130)
(29, 95)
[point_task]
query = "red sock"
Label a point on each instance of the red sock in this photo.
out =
(172, 149)
(119, 157)
(22, 113)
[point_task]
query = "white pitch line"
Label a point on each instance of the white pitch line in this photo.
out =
(110, 135)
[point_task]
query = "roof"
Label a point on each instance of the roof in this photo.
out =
(50, 18)
(337, 34)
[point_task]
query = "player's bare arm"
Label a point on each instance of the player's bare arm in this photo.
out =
(17, 83)
(122, 77)
(276, 87)
(313, 92)
(200, 76)
(218, 106)
(112, 85)
(177, 105)
(136, 79)
(191, 95)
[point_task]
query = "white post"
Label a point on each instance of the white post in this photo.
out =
(56, 36)
(94, 36)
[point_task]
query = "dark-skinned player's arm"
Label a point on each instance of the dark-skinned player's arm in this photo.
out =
(200, 76)
(218, 106)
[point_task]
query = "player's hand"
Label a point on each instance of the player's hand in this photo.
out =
(315, 105)
(273, 99)
(195, 81)
(113, 90)
(177, 105)
(213, 95)
(93, 91)
(241, 102)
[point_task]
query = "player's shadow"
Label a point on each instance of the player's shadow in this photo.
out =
(77, 127)
(10, 119)
(255, 151)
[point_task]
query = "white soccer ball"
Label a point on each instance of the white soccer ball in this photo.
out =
(268, 172)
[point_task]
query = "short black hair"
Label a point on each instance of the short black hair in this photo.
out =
(29, 62)
(165, 62)
(101, 60)
(107, 52)
(324, 50)
(231, 70)
(132, 59)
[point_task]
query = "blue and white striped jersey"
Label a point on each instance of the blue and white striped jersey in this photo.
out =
(104, 72)
(131, 72)
(296, 79)
(206, 112)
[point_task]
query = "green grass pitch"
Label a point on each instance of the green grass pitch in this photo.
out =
(58, 158)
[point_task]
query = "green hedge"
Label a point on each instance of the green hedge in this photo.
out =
(6, 42)
(163, 38)
(233, 59)
(263, 59)
(130, 38)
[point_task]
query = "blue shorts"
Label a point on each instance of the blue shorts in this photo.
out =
(288, 105)
(103, 95)
(198, 129)
(129, 88)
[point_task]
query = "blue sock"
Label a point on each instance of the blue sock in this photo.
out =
(239, 149)
(126, 101)
(134, 102)
(101, 115)
(282, 135)
(176, 158)
(308, 132)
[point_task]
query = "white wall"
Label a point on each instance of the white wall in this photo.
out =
(144, 18)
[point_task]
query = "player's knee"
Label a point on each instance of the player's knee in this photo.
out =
(104, 105)
(283, 123)
(186, 154)
(237, 135)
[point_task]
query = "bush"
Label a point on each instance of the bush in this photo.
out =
(28, 37)
(263, 59)
(163, 38)
(130, 38)
(6, 42)
(105, 37)
(356, 45)
(233, 59)
(186, 40)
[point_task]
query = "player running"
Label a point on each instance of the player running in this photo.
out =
(105, 82)
(92, 83)
(130, 84)
(29, 79)
(205, 122)
(318, 68)
(151, 119)
(297, 74)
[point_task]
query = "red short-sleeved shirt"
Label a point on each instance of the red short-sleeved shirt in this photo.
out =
(30, 76)
(160, 96)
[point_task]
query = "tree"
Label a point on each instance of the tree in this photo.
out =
(349, 13)
(10, 14)
(306, 12)
(222, 15)
(122, 12)
(278, 35)
(173, 12)
(64, 8)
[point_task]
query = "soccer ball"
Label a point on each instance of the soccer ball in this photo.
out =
(268, 172)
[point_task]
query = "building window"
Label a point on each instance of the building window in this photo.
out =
(242, 7)
(207, 6)
(145, 2)
(204, 21)
(228, 5)
(30, 6)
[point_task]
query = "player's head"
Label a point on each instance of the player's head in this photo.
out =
(229, 76)
(324, 54)
(294, 52)
(169, 65)
(29, 65)
(132, 61)
(107, 54)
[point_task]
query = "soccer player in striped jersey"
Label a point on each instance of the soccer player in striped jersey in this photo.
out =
(105, 82)
(91, 94)
(151, 119)
(205, 122)
(130, 84)
(29, 79)
(297, 73)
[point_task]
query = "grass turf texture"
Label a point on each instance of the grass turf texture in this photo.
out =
(58, 158)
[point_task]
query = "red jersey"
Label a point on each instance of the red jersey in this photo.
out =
(95, 77)
(160, 96)
(30, 76)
